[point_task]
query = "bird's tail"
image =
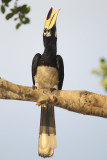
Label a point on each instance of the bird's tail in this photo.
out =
(47, 135)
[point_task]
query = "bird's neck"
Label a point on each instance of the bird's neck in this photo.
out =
(50, 51)
(50, 45)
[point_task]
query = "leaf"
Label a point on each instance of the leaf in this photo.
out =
(24, 9)
(27, 20)
(6, 4)
(95, 71)
(27, 10)
(102, 60)
(2, 9)
(12, 9)
(15, 10)
(104, 82)
(102, 65)
(15, 19)
(18, 25)
(10, 15)
(6, 1)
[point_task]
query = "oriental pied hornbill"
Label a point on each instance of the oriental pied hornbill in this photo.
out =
(48, 72)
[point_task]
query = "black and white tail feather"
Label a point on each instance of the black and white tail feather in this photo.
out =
(47, 135)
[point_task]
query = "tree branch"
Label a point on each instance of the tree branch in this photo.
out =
(77, 101)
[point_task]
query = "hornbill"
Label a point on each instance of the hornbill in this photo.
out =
(48, 72)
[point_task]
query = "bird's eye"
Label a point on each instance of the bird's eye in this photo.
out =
(49, 30)
(45, 30)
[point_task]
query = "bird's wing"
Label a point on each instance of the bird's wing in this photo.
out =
(34, 65)
(60, 66)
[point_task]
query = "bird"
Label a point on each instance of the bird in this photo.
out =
(48, 73)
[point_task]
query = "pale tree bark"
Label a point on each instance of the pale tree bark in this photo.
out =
(83, 102)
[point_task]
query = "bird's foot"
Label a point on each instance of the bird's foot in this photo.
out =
(38, 104)
(52, 89)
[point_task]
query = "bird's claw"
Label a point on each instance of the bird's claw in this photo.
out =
(38, 104)
(52, 89)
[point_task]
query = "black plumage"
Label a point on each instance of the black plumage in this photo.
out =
(60, 67)
(48, 72)
(35, 65)
(48, 60)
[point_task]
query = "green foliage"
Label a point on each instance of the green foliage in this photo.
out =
(102, 72)
(10, 15)
(6, 2)
(19, 12)
(3, 9)
(18, 25)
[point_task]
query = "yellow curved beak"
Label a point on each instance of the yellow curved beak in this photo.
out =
(49, 23)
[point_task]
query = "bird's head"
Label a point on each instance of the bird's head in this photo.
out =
(49, 32)
(50, 23)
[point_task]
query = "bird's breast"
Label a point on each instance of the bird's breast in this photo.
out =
(46, 77)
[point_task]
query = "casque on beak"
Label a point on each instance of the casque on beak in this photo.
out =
(51, 19)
